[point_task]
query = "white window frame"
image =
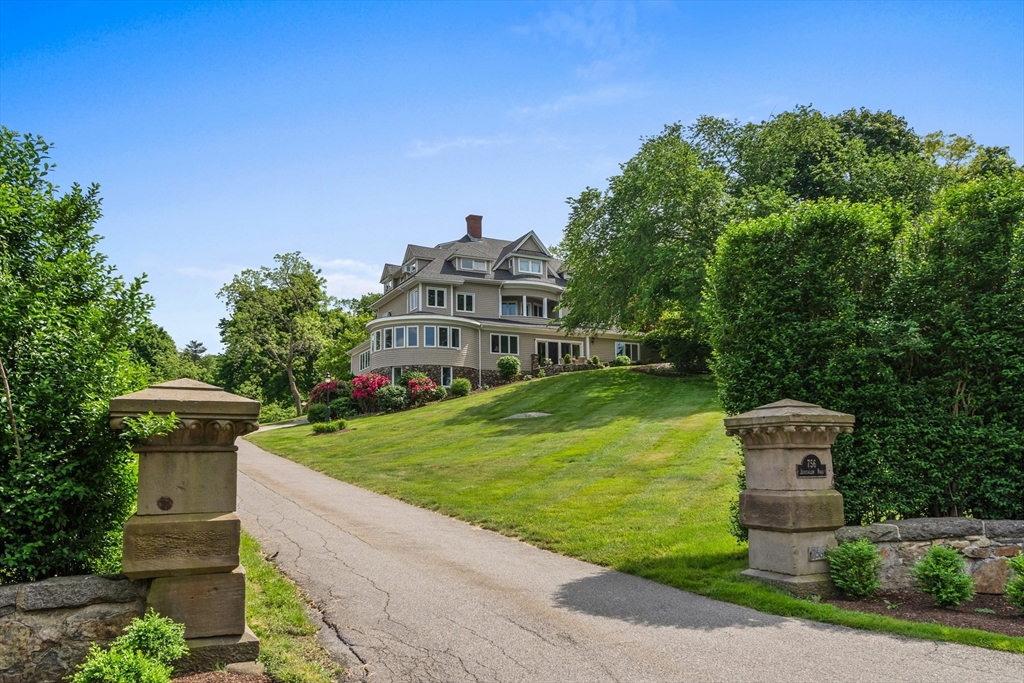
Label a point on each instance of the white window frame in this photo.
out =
(399, 337)
(530, 262)
(623, 349)
(412, 335)
(463, 298)
(452, 333)
(414, 300)
(449, 371)
(473, 264)
(439, 296)
(573, 347)
(376, 345)
(396, 372)
(513, 304)
(433, 344)
(364, 360)
(389, 338)
(508, 344)
(447, 337)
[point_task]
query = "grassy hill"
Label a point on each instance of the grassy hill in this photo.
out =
(630, 471)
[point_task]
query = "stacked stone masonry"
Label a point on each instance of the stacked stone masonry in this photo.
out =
(46, 627)
(985, 545)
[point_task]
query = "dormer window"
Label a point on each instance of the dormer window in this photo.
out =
(529, 265)
(472, 264)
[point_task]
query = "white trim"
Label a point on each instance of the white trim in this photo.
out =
(400, 328)
(479, 357)
(499, 352)
(450, 375)
(472, 263)
(408, 339)
(519, 265)
(427, 318)
(466, 296)
(444, 293)
(425, 344)
(392, 331)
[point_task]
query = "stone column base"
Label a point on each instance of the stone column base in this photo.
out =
(800, 586)
(207, 654)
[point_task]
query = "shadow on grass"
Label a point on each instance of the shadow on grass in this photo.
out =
(614, 595)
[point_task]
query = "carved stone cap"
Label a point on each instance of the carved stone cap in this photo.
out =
(789, 413)
(186, 398)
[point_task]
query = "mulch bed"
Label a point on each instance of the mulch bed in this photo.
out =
(221, 677)
(912, 605)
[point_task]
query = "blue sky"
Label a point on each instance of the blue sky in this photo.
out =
(224, 133)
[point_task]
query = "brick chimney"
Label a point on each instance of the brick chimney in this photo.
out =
(475, 226)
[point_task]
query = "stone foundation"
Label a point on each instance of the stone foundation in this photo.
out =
(46, 626)
(985, 545)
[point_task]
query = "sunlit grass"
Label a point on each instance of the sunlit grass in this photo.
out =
(276, 614)
(630, 471)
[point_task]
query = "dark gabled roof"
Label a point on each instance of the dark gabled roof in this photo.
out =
(441, 267)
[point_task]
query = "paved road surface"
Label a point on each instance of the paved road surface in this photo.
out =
(415, 596)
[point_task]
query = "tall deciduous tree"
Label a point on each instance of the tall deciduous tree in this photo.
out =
(636, 251)
(279, 313)
(350, 331)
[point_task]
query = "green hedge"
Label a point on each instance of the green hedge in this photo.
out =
(915, 328)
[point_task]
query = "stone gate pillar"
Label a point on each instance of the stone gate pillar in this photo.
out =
(790, 506)
(185, 534)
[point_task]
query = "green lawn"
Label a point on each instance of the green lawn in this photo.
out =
(630, 471)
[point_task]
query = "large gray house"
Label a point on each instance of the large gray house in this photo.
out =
(452, 310)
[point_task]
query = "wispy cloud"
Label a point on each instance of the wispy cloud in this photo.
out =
(349, 278)
(606, 31)
(601, 96)
(222, 274)
(422, 149)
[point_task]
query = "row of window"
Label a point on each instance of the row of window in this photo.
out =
(526, 265)
(408, 337)
(436, 299)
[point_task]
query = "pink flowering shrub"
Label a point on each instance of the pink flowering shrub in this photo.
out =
(335, 388)
(364, 390)
(422, 390)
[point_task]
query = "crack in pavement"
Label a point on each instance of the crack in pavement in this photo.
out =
(416, 596)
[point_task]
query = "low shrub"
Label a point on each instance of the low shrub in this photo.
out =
(142, 654)
(461, 387)
(391, 398)
(405, 377)
(621, 360)
(941, 575)
(317, 412)
(440, 394)
(276, 412)
(527, 378)
(343, 407)
(541, 373)
(596, 360)
(544, 362)
(328, 427)
(421, 389)
(567, 359)
(508, 367)
(855, 567)
(154, 636)
(737, 530)
(1015, 584)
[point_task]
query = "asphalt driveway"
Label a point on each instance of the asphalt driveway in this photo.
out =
(410, 595)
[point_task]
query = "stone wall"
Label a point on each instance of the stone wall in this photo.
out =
(46, 626)
(985, 545)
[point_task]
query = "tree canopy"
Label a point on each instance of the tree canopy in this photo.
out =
(279, 316)
(636, 251)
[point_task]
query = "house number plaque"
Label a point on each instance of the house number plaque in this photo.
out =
(811, 466)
